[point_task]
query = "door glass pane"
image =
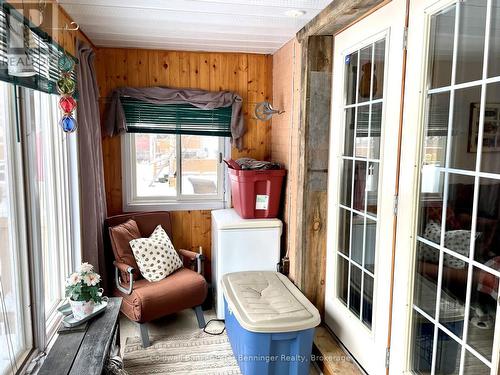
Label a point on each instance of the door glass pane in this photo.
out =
(355, 290)
(463, 156)
(436, 130)
(453, 184)
(372, 188)
(473, 366)
(365, 74)
(487, 249)
(200, 161)
(453, 293)
(346, 187)
(367, 300)
(441, 47)
(490, 162)
(343, 279)
(378, 69)
(459, 213)
(483, 312)
(370, 243)
(350, 117)
(12, 321)
(359, 185)
(422, 346)
(359, 179)
(447, 355)
(494, 42)
(362, 140)
(431, 203)
(344, 231)
(375, 130)
(426, 277)
(156, 165)
(470, 49)
(358, 225)
(351, 62)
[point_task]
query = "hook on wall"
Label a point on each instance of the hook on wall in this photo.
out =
(264, 111)
(73, 26)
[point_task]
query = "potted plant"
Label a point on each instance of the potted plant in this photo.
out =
(84, 291)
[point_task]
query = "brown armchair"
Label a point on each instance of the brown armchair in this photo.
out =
(144, 301)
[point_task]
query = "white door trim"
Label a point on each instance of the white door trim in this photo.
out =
(371, 345)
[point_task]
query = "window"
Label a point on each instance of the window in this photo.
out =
(180, 171)
(37, 196)
(50, 188)
(52, 182)
(15, 333)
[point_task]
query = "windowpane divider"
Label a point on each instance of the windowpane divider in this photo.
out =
(374, 218)
(357, 158)
(366, 103)
(446, 180)
(464, 85)
(356, 264)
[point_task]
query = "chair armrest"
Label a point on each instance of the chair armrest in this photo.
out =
(192, 256)
(122, 267)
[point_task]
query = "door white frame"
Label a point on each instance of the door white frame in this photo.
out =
(414, 112)
(368, 347)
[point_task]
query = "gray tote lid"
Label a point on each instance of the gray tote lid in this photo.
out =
(267, 301)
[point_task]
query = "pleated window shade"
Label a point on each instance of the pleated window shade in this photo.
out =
(143, 117)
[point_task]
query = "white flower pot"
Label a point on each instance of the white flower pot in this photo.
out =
(81, 309)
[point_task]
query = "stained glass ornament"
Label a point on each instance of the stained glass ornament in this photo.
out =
(65, 64)
(68, 123)
(67, 104)
(66, 86)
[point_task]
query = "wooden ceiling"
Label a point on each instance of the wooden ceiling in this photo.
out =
(259, 26)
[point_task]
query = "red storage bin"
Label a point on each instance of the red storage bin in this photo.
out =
(256, 193)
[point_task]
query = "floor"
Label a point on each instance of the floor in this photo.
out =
(183, 322)
(336, 361)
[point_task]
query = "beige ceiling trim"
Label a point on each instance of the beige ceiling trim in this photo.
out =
(337, 16)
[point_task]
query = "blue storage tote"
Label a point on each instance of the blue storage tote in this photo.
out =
(270, 323)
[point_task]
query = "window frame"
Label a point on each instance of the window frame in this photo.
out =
(14, 174)
(132, 202)
(64, 158)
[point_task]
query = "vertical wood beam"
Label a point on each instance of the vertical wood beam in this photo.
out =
(317, 53)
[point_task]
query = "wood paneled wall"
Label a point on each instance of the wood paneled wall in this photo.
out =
(284, 139)
(249, 75)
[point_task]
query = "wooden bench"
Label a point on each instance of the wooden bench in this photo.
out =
(85, 352)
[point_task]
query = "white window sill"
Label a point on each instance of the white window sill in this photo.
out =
(175, 206)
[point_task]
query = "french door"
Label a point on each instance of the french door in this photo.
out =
(447, 265)
(446, 312)
(365, 117)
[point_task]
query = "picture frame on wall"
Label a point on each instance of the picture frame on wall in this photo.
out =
(491, 132)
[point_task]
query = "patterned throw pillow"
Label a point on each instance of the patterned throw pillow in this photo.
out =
(455, 240)
(156, 256)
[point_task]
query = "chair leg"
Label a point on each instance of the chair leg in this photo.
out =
(143, 330)
(199, 315)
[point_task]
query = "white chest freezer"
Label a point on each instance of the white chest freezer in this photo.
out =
(242, 245)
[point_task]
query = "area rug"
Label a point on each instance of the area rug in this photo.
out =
(194, 353)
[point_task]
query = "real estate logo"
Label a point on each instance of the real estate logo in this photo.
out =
(25, 55)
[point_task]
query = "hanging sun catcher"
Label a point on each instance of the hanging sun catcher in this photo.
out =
(66, 87)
